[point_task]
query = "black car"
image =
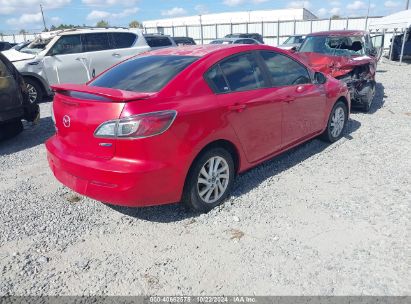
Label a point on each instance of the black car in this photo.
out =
(184, 40)
(396, 48)
(254, 36)
(14, 100)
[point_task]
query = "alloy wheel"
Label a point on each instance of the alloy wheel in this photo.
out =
(32, 93)
(337, 122)
(213, 179)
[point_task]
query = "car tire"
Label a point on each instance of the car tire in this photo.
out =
(209, 180)
(367, 96)
(10, 129)
(35, 91)
(336, 123)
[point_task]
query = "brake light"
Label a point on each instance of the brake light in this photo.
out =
(137, 126)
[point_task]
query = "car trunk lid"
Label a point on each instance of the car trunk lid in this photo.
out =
(80, 109)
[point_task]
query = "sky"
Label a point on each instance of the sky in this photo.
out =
(25, 14)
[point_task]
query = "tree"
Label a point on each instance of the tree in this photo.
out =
(335, 17)
(22, 32)
(102, 23)
(135, 24)
(64, 26)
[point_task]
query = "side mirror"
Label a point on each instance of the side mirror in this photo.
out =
(293, 49)
(319, 78)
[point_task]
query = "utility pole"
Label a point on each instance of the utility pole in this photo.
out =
(368, 9)
(42, 14)
(407, 5)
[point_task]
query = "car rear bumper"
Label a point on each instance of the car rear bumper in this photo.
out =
(116, 181)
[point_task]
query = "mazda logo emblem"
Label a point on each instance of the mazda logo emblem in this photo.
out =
(66, 121)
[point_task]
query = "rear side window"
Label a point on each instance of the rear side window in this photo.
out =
(144, 74)
(285, 71)
(96, 42)
(158, 41)
(67, 44)
(216, 80)
(123, 40)
(242, 72)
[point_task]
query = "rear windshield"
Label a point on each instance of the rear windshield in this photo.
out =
(158, 41)
(143, 74)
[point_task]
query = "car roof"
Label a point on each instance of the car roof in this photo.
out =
(203, 50)
(342, 33)
(233, 39)
(96, 30)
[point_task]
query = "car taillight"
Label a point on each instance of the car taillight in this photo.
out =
(137, 126)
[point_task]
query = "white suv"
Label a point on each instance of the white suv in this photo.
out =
(73, 56)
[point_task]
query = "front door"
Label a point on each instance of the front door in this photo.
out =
(66, 61)
(304, 102)
(253, 109)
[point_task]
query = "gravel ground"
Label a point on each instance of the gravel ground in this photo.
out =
(318, 220)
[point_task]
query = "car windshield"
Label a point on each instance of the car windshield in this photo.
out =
(144, 74)
(335, 46)
(36, 46)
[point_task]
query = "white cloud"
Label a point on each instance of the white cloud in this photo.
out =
(109, 2)
(25, 19)
(175, 11)
(391, 4)
(96, 15)
(335, 11)
(356, 5)
(299, 4)
(233, 3)
(201, 9)
(21, 6)
(322, 12)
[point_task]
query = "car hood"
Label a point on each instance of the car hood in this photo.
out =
(333, 65)
(14, 55)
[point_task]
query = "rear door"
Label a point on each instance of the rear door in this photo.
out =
(65, 62)
(99, 53)
(10, 93)
(304, 106)
(253, 109)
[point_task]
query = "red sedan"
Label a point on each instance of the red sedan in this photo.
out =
(178, 124)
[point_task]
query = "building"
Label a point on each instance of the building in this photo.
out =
(234, 17)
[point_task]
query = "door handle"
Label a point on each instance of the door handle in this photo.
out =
(237, 107)
(116, 54)
(80, 58)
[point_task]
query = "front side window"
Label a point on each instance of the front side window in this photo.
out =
(96, 42)
(144, 74)
(285, 71)
(68, 44)
(242, 72)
